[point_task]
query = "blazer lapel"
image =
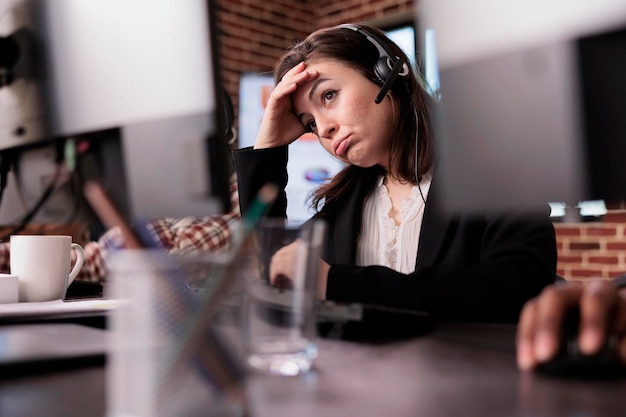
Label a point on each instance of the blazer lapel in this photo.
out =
(435, 226)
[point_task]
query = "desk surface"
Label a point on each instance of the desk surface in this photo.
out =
(457, 370)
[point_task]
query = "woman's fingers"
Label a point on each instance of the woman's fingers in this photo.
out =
(539, 328)
(598, 305)
(288, 265)
(525, 336)
(280, 125)
(283, 265)
(602, 314)
(553, 305)
(295, 77)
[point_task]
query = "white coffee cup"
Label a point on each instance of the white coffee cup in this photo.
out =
(43, 265)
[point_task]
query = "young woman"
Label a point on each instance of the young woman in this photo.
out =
(389, 241)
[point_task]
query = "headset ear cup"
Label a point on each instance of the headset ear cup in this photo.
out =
(382, 69)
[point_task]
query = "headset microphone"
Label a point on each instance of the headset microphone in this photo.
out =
(389, 81)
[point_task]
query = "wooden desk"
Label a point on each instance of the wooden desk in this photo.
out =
(459, 370)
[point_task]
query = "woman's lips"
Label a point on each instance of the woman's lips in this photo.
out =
(341, 147)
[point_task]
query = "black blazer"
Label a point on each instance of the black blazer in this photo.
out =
(468, 267)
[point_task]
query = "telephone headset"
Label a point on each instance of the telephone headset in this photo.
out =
(388, 67)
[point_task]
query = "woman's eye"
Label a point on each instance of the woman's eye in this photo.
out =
(311, 126)
(329, 95)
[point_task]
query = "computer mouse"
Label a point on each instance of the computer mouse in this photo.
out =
(571, 362)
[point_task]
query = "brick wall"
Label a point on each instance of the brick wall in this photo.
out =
(591, 250)
(333, 12)
(255, 33)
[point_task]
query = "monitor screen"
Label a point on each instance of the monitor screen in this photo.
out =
(531, 101)
(404, 36)
(147, 68)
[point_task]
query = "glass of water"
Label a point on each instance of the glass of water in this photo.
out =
(279, 321)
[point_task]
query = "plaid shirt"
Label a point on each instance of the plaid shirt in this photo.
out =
(182, 235)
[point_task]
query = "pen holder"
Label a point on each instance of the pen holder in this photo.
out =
(156, 367)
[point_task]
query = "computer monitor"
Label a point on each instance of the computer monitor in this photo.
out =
(532, 101)
(145, 69)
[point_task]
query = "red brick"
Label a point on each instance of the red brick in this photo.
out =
(567, 231)
(618, 246)
(570, 259)
(584, 245)
(604, 260)
(588, 279)
(586, 273)
(601, 231)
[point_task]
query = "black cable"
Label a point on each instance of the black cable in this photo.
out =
(29, 216)
(44, 197)
(417, 137)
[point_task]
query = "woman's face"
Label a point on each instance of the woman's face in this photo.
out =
(338, 106)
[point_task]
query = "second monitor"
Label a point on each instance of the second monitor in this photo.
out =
(532, 101)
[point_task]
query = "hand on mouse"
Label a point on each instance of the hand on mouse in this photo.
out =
(603, 312)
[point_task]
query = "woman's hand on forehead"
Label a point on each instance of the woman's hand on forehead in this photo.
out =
(280, 125)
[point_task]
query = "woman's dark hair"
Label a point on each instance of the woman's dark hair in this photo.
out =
(228, 115)
(408, 98)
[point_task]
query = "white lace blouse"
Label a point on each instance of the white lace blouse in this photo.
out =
(381, 241)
